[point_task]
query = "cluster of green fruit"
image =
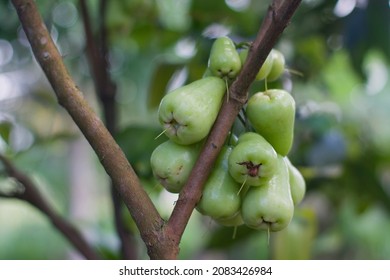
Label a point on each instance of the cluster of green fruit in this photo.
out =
(253, 182)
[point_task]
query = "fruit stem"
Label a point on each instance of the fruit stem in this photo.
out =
(268, 235)
(227, 89)
(242, 186)
(229, 140)
(242, 120)
(234, 232)
(295, 72)
(160, 134)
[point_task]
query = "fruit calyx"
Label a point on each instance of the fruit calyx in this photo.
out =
(172, 125)
(253, 169)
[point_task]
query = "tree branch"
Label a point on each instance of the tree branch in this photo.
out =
(277, 18)
(97, 52)
(161, 244)
(142, 209)
(32, 195)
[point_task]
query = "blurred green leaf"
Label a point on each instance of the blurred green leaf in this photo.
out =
(223, 237)
(5, 130)
(312, 52)
(340, 76)
(174, 14)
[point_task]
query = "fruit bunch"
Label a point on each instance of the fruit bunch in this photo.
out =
(253, 181)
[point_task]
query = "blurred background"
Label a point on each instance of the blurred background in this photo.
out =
(338, 59)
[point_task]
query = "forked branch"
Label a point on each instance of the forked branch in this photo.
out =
(162, 240)
(114, 161)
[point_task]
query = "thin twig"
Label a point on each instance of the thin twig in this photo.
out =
(32, 195)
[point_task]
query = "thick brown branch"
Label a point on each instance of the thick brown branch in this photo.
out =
(277, 18)
(32, 195)
(111, 156)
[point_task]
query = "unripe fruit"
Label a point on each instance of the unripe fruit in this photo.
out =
(224, 61)
(270, 206)
(278, 64)
(252, 160)
(272, 114)
(265, 68)
(172, 163)
(297, 182)
(233, 221)
(220, 199)
(188, 113)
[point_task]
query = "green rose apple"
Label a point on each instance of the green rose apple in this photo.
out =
(224, 61)
(233, 221)
(172, 163)
(269, 206)
(278, 65)
(253, 160)
(220, 198)
(297, 182)
(272, 114)
(188, 113)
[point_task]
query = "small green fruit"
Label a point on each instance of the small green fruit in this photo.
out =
(233, 221)
(270, 206)
(172, 163)
(278, 65)
(297, 182)
(272, 114)
(224, 61)
(188, 113)
(220, 198)
(265, 68)
(252, 160)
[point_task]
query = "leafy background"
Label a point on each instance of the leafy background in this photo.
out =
(342, 138)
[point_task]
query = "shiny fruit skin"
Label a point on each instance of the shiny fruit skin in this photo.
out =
(272, 114)
(270, 206)
(233, 221)
(220, 198)
(188, 113)
(297, 182)
(252, 160)
(278, 66)
(224, 60)
(172, 163)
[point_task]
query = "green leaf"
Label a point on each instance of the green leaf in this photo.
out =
(174, 15)
(224, 237)
(5, 130)
(340, 76)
